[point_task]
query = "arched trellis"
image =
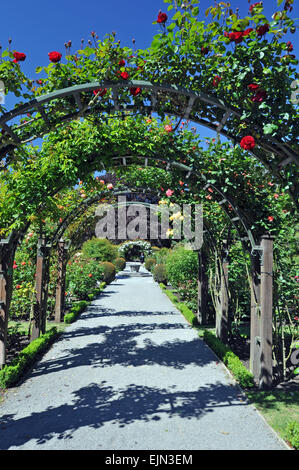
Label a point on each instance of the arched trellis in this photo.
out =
(73, 102)
(239, 221)
(221, 319)
(58, 240)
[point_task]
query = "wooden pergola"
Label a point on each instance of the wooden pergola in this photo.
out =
(54, 109)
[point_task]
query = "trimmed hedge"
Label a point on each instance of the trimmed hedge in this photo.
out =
(75, 311)
(109, 271)
(233, 363)
(150, 263)
(81, 305)
(120, 264)
(187, 313)
(9, 375)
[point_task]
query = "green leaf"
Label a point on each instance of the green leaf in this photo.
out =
(171, 27)
(270, 128)
(195, 11)
(155, 44)
(177, 15)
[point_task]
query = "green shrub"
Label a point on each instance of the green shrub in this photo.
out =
(181, 266)
(161, 255)
(292, 434)
(159, 273)
(150, 263)
(109, 272)
(182, 273)
(77, 308)
(9, 375)
(120, 264)
(233, 363)
(188, 314)
(80, 306)
(82, 277)
(99, 249)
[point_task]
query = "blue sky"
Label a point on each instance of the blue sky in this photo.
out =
(37, 27)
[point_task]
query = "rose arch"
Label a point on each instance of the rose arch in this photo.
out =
(176, 77)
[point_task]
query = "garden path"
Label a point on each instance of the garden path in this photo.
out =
(131, 373)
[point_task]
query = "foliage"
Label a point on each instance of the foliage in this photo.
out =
(233, 363)
(120, 264)
(188, 314)
(132, 249)
(9, 375)
(161, 255)
(77, 308)
(82, 277)
(150, 263)
(109, 271)
(159, 273)
(182, 272)
(99, 249)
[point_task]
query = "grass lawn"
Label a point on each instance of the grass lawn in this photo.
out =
(22, 326)
(278, 407)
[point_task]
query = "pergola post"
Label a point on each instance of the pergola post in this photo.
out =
(44, 287)
(266, 373)
(255, 316)
(7, 250)
(60, 285)
(39, 288)
(202, 287)
(222, 313)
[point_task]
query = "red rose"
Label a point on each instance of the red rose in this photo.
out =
(135, 91)
(237, 36)
(124, 75)
(162, 17)
(262, 30)
(100, 91)
(270, 218)
(216, 80)
(253, 86)
(247, 31)
(168, 128)
(259, 96)
(19, 57)
(204, 50)
(54, 56)
(290, 46)
(121, 63)
(248, 142)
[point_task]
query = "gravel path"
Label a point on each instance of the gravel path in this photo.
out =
(131, 374)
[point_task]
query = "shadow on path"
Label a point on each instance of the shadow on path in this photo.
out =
(122, 345)
(97, 404)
